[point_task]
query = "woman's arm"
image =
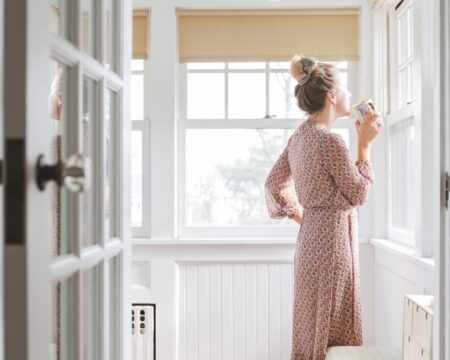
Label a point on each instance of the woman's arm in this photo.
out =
(280, 202)
(352, 180)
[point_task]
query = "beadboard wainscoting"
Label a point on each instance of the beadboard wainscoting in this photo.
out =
(396, 272)
(228, 300)
(235, 311)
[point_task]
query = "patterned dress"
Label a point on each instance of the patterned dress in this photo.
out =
(328, 185)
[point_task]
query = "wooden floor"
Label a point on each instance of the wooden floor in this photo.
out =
(363, 353)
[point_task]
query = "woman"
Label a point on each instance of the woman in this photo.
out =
(327, 305)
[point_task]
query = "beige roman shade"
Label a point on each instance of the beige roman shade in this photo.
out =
(267, 35)
(141, 43)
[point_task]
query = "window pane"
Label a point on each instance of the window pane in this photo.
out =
(137, 65)
(344, 79)
(409, 84)
(225, 184)
(247, 96)
(136, 178)
(283, 104)
(402, 175)
(205, 66)
(341, 65)
(410, 32)
(206, 96)
(137, 97)
(278, 65)
(247, 65)
(403, 87)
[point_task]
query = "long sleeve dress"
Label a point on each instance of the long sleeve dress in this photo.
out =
(328, 185)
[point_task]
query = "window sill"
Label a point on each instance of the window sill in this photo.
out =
(403, 251)
(215, 241)
(220, 241)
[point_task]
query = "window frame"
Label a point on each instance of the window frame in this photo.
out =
(143, 125)
(184, 124)
(397, 114)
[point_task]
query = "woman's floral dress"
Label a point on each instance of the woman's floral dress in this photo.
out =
(327, 304)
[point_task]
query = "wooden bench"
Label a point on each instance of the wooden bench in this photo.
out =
(363, 353)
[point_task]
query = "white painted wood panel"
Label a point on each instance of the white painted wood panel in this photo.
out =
(235, 310)
(215, 305)
(226, 311)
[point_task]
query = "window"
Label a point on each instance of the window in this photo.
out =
(401, 126)
(139, 147)
(235, 119)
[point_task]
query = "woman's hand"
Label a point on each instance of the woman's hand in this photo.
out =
(368, 129)
(298, 217)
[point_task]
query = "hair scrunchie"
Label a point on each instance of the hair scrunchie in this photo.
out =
(308, 67)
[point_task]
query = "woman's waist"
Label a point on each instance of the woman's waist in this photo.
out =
(327, 209)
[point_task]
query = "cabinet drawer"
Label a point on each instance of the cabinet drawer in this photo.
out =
(408, 316)
(409, 347)
(422, 328)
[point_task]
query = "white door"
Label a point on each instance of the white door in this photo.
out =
(66, 205)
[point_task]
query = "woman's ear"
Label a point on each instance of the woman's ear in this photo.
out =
(331, 97)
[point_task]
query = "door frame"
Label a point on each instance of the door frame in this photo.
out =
(442, 256)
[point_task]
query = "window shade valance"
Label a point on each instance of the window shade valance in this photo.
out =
(267, 35)
(141, 25)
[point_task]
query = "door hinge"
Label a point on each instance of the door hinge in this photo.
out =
(446, 189)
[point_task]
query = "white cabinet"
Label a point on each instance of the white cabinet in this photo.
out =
(417, 327)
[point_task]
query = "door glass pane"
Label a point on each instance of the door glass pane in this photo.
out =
(58, 196)
(90, 92)
(59, 13)
(63, 320)
(114, 308)
(247, 96)
(90, 314)
(111, 33)
(109, 169)
(88, 27)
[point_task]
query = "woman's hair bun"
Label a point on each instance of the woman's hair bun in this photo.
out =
(301, 67)
(297, 71)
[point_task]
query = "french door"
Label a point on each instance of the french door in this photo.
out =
(67, 187)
